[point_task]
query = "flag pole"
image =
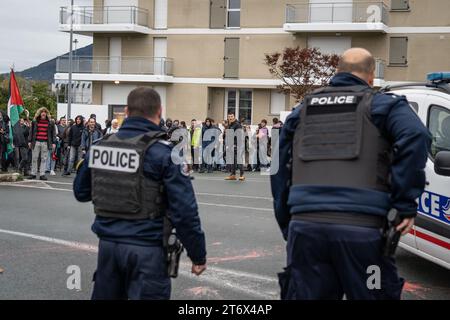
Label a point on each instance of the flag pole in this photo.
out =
(69, 90)
(8, 111)
(11, 71)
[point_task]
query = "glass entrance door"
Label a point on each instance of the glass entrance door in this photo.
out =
(239, 102)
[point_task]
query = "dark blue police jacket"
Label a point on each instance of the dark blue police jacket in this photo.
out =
(180, 198)
(393, 116)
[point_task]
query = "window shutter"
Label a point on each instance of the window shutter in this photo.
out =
(399, 4)
(218, 11)
(398, 54)
(231, 58)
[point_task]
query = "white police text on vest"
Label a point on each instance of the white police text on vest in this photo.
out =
(114, 159)
(322, 101)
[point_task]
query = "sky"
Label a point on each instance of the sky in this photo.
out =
(29, 32)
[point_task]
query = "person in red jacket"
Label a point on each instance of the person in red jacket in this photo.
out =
(41, 139)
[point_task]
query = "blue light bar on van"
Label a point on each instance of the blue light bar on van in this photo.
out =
(438, 76)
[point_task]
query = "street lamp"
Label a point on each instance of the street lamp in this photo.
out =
(69, 91)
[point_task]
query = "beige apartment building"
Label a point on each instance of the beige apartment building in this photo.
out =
(206, 57)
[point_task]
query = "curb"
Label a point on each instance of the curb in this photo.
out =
(10, 177)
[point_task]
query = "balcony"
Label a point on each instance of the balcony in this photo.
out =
(128, 69)
(337, 17)
(121, 19)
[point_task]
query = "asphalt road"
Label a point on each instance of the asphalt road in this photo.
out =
(44, 231)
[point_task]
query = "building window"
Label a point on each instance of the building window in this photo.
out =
(231, 102)
(117, 112)
(234, 14)
(239, 102)
(400, 5)
(398, 51)
(225, 14)
(277, 102)
(245, 106)
(439, 126)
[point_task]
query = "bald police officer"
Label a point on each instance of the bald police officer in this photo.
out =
(134, 186)
(348, 156)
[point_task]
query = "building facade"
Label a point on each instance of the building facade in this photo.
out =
(206, 57)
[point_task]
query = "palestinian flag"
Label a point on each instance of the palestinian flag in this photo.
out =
(15, 108)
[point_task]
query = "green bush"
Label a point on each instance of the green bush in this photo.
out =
(35, 94)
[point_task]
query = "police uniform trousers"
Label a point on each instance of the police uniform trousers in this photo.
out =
(3, 156)
(326, 261)
(132, 272)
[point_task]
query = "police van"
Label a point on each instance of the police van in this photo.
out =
(430, 237)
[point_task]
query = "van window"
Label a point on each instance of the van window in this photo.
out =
(415, 106)
(439, 126)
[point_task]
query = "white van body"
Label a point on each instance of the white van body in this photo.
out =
(430, 237)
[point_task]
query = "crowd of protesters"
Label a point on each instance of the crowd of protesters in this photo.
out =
(43, 145)
(201, 135)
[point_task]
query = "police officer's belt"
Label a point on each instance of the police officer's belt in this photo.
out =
(343, 218)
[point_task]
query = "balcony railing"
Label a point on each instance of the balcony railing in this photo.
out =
(380, 66)
(105, 15)
(79, 98)
(338, 12)
(117, 65)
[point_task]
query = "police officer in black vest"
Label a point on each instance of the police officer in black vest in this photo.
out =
(349, 158)
(140, 197)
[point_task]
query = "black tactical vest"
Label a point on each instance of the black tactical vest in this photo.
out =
(119, 187)
(336, 143)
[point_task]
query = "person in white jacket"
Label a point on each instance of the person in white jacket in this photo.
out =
(114, 127)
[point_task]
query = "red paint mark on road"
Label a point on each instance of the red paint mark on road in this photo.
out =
(415, 289)
(412, 287)
(204, 292)
(280, 249)
(251, 255)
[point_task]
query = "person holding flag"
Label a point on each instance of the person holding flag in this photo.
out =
(15, 108)
(20, 134)
(4, 140)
